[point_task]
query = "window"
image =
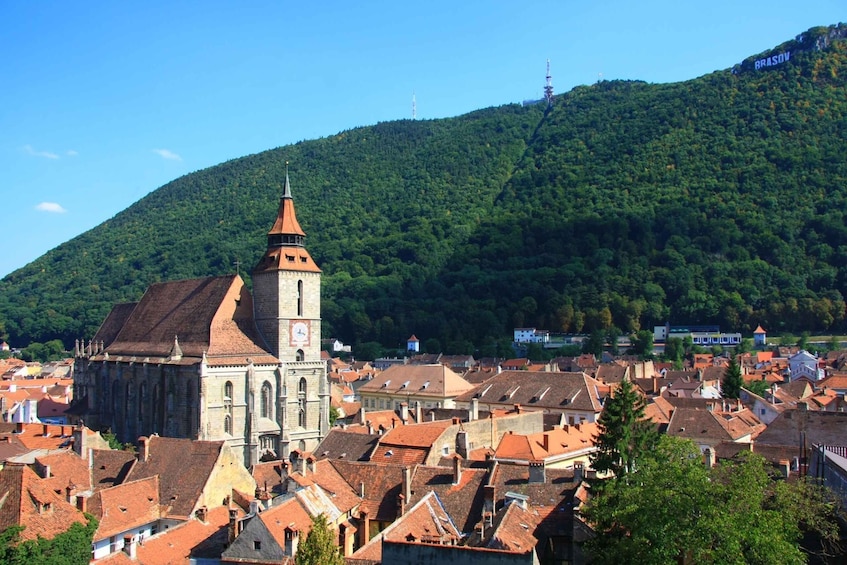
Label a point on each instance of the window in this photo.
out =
(228, 397)
(228, 424)
(300, 355)
(267, 400)
(257, 545)
(301, 403)
(299, 298)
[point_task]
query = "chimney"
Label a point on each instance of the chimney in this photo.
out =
(144, 451)
(292, 540)
(418, 412)
(46, 472)
(69, 493)
(709, 458)
(362, 489)
(362, 413)
(370, 428)
(202, 513)
(578, 472)
(489, 494)
(785, 467)
(462, 446)
(301, 464)
(474, 410)
(45, 430)
(254, 507)
(401, 505)
(457, 469)
(81, 503)
(407, 483)
(232, 530)
(517, 408)
(19, 427)
(537, 472)
(130, 546)
(404, 412)
(364, 530)
(545, 442)
(311, 464)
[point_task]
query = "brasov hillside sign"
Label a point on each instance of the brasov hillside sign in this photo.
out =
(772, 60)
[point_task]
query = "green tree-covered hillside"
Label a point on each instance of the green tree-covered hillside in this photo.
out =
(715, 200)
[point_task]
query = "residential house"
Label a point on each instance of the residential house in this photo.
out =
(575, 395)
(804, 364)
(560, 447)
(433, 386)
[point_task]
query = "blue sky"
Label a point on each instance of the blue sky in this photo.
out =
(103, 102)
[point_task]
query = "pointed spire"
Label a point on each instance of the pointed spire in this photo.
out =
(176, 350)
(286, 192)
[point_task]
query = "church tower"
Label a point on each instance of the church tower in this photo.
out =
(287, 289)
(287, 312)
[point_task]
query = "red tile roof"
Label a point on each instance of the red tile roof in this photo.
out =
(126, 506)
(27, 500)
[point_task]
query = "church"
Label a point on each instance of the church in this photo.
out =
(205, 359)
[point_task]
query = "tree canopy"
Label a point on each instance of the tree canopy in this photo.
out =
(319, 548)
(673, 509)
(624, 433)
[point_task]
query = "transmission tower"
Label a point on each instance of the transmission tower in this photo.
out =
(414, 107)
(548, 88)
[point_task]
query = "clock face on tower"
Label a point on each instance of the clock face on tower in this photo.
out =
(300, 331)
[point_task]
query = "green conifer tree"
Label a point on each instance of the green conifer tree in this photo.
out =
(624, 432)
(732, 381)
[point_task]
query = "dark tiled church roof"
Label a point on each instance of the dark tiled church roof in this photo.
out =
(212, 315)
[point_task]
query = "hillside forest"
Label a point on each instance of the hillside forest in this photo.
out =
(624, 205)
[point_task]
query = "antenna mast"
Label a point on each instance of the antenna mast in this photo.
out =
(414, 107)
(548, 87)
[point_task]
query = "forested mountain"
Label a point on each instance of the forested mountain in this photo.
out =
(716, 200)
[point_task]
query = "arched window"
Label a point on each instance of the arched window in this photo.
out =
(301, 403)
(267, 400)
(228, 397)
(300, 355)
(228, 424)
(299, 298)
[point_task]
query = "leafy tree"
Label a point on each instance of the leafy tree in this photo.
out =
(612, 335)
(834, 343)
(370, 350)
(803, 342)
(674, 351)
(624, 434)
(675, 510)
(746, 346)
(595, 343)
(787, 340)
(333, 415)
(319, 547)
(732, 381)
(71, 547)
(758, 386)
(642, 342)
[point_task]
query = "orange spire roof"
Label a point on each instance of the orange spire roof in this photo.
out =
(286, 251)
(286, 220)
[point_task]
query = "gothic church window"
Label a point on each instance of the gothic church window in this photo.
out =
(267, 400)
(228, 397)
(301, 403)
(228, 424)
